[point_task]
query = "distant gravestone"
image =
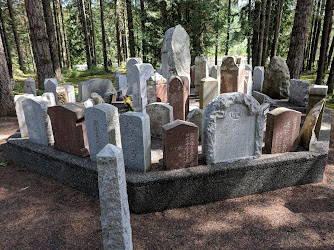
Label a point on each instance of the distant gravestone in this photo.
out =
(160, 114)
(131, 73)
(97, 85)
(121, 82)
(195, 116)
(202, 71)
(232, 76)
(69, 129)
(232, 128)
(115, 214)
(209, 90)
(70, 92)
(102, 122)
(299, 92)
(248, 78)
(37, 121)
(180, 145)
(258, 78)
(136, 140)
(282, 130)
(156, 89)
(51, 97)
(62, 95)
(179, 96)
(30, 86)
(18, 99)
(50, 85)
(117, 73)
(215, 73)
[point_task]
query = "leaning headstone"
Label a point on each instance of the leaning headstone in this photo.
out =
(195, 116)
(115, 214)
(232, 76)
(30, 86)
(70, 92)
(180, 145)
(276, 82)
(50, 85)
(18, 99)
(209, 90)
(136, 140)
(156, 89)
(262, 98)
(282, 130)
(308, 134)
(258, 77)
(97, 85)
(97, 98)
(62, 95)
(131, 73)
(102, 122)
(299, 92)
(51, 97)
(215, 73)
(179, 96)
(69, 129)
(37, 121)
(232, 128)
(202, 71)
(160, 114)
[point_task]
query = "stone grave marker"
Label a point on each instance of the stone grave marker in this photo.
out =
(97, 98)
(156, 89)
(258, 78)
(51, 97)
(282, 130)
(131, 73)
(209, 90)
(232, 128)
(70, 92)
(96, 85)
(299, 92)
(160, 114)
(179, 96)
(202, 71)
(69, 129)
(262, 98)
(18, 99)
(110, 97)
(30, 86)
(89, 103)
(215, 73)
(102, 123)
(192, 76)
(121, 82)
(50, 85)
(115, 214)
(62, 95)
(117, 73)
(232, 76)
(248, 78)
(195, 117)
(180, 145)
(136, 140)
(37, 121)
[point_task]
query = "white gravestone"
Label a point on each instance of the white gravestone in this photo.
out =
(209, 91)
(30, 86)
(70, 92)
(201, 71)
(131, 70)
(18, 99)
(51, 98)
(249, 78)
(258, 77)
(160, 114)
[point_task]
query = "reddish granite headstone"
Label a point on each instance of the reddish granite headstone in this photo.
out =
(232, 76)
(180, 145)
(156, 89)
(282, 130)
(69, 129)
(179, 96)
(62, 95)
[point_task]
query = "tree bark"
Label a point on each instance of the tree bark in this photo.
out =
(6, 45)
(92, 33)
(104, 45)
(266, 33)
(261, 33)
(248, 32)
(298, 37)
(330, 82)
(130, 26)
(309, 42)
(325, 70)
(85, 31)
(16, 35)
(228, 27)
(217, 33)
(63, 26)
(57, 32)
(143, 30)
(330, 54)
(126, 33)
(120, 55)
(52, 38)
(39, 40)
(255, 40)
(277, 28)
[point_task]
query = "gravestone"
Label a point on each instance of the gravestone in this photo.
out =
(30, 86)
(156, 89)
(54, 80)
(258, 78)
(143, 72)
(232, 76)
(50, 85)
(62, 95)
(131, 73)
(276, 82)
(110, 97)
(121, 82)
(102, 122)
(89, 103)
(180, 145)
(179, 96)
(248, 78)
(136, 140)
(202, 71)
(37, 121)
(18, 99)
(282, 130)
(97, 85)
(69, 129)
(115, 214)
(117, 73)
(215, 73)
(51, 97)
(70, 92)
(299, 92)
(160, 114)
(195, 117)
(192, 76)
(96, 98)
(308, 133)
(262, 98)
(209, 90)
(232, 128)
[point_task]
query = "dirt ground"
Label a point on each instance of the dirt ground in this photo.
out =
(39, 213)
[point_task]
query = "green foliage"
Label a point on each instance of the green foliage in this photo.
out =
(3, 163)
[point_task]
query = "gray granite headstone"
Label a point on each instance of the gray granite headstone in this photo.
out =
(215, 73)
(299, 92)
(115, 214)
(202, 71)
(50, 85)
(121, 82)
(97, 85)
(102, 124)
(51, 97)
(30, 86)
(70, 92)
(160, 114)
(136, 140)
(18, 99)
(131, 73)
(232, 128)
(195, 116)
(258, 77)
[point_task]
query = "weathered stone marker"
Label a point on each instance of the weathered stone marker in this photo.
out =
(136, 140)
(180, 145)
(195, 116)
(97, 98)
(97, 85)
(30, 86)
(50, 85)
(282, 130)
(232, 127)
(160, 114)
(62, 95)
(248, 79)
(202, 71)
(179, 96)
(262, 98)
(51, 97)
(69, 129)
(232, 76)
(70, 92)
(215, 73)
(102, 123)
(115, 214)
(299, 92)
(258, 78)
(131, 73)
(18, 99)
(121, 82)
(156, 89)
(209, 90)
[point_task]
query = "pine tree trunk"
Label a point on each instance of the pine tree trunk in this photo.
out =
(63, 28)
(104, 45)
(248, 32)
(130, 26)
(277, 28)
(52, 38)
(309, 42)
(255, 40)
(298, 37)
(330, 50)
(85, 31)
(118, 33)
(330, 82)
(39, 40)
(262, 27)
(61, 33)
(143, 30)
(266, 33)
(126, 33)
(228, 27)
(16, 35)
(330, 54)
(92, 33)
(6, 45)
(217, 33)
(324, 41)
(57, 32)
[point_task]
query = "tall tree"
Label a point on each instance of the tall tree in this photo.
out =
(57, 31)
(143, 29)
(248, 31)
(52, 38)
(256, 27)
(279, 10)
(6, 45)
(130, 27)
(228, 27)
(266, 33)
(217, 32)
(39, 40)
(261, 33)
(16, 35)
(126, 33)
(330, 82)
(63, 28)
(120, 56)
(309, 38)
(104, 45)
(85, 31)
(92, 34)
(298, 37)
